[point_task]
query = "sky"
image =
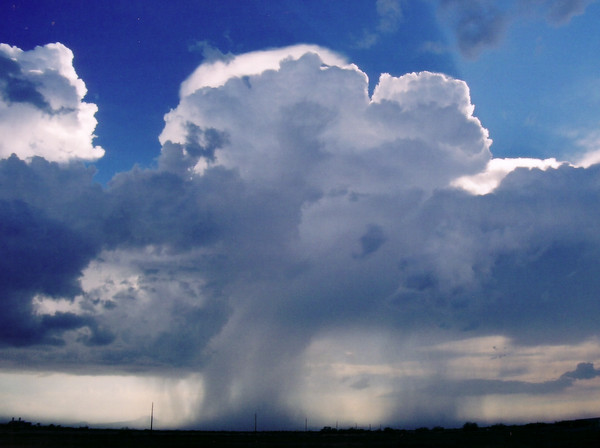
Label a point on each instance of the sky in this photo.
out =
(358, 213)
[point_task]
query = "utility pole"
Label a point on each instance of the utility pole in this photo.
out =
(152, 416)
(306, 424)
(255, 422)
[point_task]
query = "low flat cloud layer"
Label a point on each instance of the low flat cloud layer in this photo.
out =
(300, 248)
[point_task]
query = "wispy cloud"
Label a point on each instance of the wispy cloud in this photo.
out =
(481, 24)
(390, 15)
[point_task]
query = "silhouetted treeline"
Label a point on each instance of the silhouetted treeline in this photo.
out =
(575, 433)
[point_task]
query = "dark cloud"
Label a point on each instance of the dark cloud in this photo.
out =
(477, 24)
(562, 11)
(482, 387)
(584, 371)
(361, 384)
(199, 144)
(62, 194)
(40, 256)
(482, 24)
(165, 217)
(371, 240)
(203, 142)
(54, 221)
(16, 88)
(490, 387)
(509, 262)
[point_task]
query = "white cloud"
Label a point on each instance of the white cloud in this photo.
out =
(217, 72)
(390, 15)
(497, 169)
(417, 125)
(590, 143)
(41, 107)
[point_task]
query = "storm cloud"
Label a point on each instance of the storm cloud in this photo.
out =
(301, 247)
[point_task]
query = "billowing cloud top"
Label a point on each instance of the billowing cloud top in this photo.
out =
(302, 111)
(217, 73)
(42, 108)
(302, 248)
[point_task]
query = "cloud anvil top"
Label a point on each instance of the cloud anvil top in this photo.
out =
(309, 239)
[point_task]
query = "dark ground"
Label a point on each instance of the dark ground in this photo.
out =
(576, 433)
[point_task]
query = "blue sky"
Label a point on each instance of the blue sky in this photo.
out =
(375, 212)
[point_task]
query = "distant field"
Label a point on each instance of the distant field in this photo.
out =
(578, 433)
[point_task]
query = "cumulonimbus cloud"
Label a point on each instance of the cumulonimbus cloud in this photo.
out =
(300, 238)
